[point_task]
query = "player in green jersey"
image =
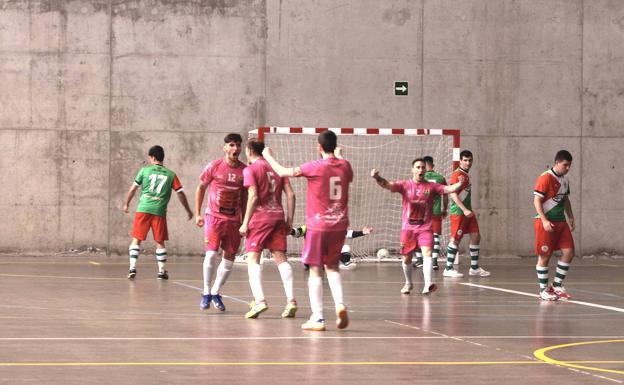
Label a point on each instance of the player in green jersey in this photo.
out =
(156, 183)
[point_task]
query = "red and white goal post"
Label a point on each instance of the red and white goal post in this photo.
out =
(390, 150)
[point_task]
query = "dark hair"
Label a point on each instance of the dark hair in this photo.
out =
(255, 146)
(328, 141)
(428, 160)
(563, 155)
(157, 152)
(465, 154)
(418, 160)
(233, 137)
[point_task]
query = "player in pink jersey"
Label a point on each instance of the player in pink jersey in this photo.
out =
(265, 228)
(327, 219)
(416, 231)
(226, 202)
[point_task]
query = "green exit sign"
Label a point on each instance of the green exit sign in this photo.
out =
(400, 88)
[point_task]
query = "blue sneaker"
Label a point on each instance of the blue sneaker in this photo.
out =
(205, 302)
(216, 301)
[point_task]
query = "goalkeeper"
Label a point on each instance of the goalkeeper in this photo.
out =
(345, 254)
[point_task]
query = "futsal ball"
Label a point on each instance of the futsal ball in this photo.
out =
(382, 253)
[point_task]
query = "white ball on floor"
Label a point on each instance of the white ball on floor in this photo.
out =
(383, 253)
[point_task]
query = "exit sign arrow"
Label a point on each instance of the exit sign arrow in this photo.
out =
(401, 88)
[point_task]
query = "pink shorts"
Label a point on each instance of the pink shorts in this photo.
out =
(413, 239)
(221, 233)
(322, 247)
(266, 235)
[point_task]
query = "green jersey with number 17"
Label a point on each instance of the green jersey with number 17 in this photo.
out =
(156, 182)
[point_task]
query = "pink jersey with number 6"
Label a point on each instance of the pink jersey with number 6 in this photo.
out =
(328, 193)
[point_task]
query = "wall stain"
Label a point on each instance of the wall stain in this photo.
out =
(397, 16)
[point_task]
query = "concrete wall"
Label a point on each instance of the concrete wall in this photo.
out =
(88, 86)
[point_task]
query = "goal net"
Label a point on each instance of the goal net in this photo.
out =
(389, 150)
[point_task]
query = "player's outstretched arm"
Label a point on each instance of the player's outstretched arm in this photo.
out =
(278, 168)
(252, 201)
(380, 181)
(129, 196)
(452, 188)
(184, 201)
(339, 152)
(199, 200)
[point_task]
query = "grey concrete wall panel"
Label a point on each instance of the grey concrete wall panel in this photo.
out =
(603, 68)
(201, 67)
(332, 64)
(503, 68)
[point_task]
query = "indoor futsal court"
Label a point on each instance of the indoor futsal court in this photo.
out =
(319, 192)
(87, 324)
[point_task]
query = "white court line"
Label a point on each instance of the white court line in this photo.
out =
(533, 295)
(434, 337)
(200, 289)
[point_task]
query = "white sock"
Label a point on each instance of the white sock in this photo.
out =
(255, 281)
(286, 273)
(133, 251)
(427, 268)
(209, 260)
(335, 285)
(315, 290)
(407, 271)
(223, 272)
(161, 257)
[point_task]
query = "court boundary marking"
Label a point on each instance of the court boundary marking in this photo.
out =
(533, 295)
(540, 354)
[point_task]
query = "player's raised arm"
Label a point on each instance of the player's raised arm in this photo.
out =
(380, 181)
(279, 169)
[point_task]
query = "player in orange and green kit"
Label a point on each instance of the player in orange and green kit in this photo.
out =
(552, 231)
(463, 221)
(156, 183)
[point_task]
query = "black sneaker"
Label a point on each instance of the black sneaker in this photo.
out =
(163, 275)
(131, 273)
(418, 263)
(436, 267)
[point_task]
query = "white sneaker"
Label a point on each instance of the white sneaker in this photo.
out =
(561, 292)
(429, 288)
(548, 295)
(348, 266)
(478, 272)
(407, 288)
(452, 273)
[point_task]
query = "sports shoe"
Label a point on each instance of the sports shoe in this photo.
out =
(429, 288)
(131, 273)
(478, 272)
(312, 325)
(418, 263)
(548, 295)
(348, 266)
(561, 292)
(257, 309)
(290, 310)
(342, 317)
(435, 266)
(205, 302)
(163, 275)
(452, 273)
(217, 302)
(407, 288)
